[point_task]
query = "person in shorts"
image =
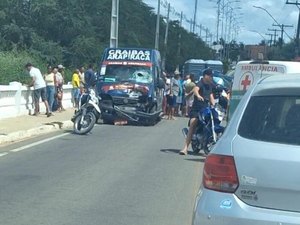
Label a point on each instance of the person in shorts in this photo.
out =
(189, 96)
(39, 86)
(172, 90)
(203, 95)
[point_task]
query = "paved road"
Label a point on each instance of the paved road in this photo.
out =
(114, 176)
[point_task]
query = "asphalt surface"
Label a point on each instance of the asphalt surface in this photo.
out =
(117, 175)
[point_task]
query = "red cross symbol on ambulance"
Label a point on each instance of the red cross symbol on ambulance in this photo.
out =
(246, 81)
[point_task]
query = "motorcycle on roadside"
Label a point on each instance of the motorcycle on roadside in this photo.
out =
(88, 112)
(208, 129)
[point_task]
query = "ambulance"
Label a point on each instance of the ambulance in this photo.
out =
(249, 72)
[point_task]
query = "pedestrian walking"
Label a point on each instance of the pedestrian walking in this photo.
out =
(202, 96)
(39, 86)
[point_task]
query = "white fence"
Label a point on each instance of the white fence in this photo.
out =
(16, 100)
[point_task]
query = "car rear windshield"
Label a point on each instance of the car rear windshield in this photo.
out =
(272, 119)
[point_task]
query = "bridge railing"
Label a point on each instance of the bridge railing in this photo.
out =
(16, 100)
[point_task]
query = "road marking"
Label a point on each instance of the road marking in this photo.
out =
(3, 154)
(38, 143)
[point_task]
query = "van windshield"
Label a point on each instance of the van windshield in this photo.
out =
(121, 73)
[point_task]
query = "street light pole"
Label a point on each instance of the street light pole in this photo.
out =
(195, 15)
(114, 24)
(278, 24)
(157, 26)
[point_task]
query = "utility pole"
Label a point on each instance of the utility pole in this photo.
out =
(195, 15)
(114, 24)
(166, 39)
(191, 25)
(271, 39)
(275, 34)
(200, 30)
(179, 37)
(297, 49)
(206, 35)
(282, 26)
(157, 26)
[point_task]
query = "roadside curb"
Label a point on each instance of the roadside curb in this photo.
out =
(23, 134)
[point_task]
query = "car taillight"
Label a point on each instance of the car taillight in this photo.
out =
(220, 174)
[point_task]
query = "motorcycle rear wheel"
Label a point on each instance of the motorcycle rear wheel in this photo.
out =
(195, 147)
(87, 124)
(208, 146)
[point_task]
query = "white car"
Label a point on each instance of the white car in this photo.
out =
(252, 175)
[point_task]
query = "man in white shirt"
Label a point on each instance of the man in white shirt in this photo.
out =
(39, 86)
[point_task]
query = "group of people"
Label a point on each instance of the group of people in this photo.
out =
(186, 97)
(203, 96)
(178, 95)
(49, 87)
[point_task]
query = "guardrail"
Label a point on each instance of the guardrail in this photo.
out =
(16, 100)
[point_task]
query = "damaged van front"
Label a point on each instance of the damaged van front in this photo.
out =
(130, 85)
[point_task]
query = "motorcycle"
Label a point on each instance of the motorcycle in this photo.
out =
(208, 129)
(88, 112)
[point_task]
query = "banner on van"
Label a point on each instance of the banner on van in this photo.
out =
(128, 55)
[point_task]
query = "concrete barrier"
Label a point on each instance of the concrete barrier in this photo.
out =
(16, 100)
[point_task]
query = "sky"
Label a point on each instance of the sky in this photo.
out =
(253, 22)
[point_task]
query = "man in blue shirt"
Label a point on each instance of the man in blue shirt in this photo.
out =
(90, 77)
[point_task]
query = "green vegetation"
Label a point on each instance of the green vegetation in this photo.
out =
(75, 32)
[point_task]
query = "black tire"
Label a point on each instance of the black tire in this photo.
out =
(195, 147)
(88, 123)
(208, 146)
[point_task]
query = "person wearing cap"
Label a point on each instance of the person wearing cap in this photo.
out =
(203, 95)
(39, 86)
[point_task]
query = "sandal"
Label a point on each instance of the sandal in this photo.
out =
(182, 153)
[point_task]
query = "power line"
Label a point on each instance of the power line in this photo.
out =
(282, 26)
(298, 26)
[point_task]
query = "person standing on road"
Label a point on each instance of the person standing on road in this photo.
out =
(50, 78)
(172, 90)
(81, 76)
(90, 77)
(189, 96)
(39, 86)
(76, 88)
(179, 98)
(59, 87)
(202, 96)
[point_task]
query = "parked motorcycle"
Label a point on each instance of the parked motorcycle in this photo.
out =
(208, 129)
(88, 113)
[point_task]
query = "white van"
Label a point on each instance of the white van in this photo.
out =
(249, 72)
